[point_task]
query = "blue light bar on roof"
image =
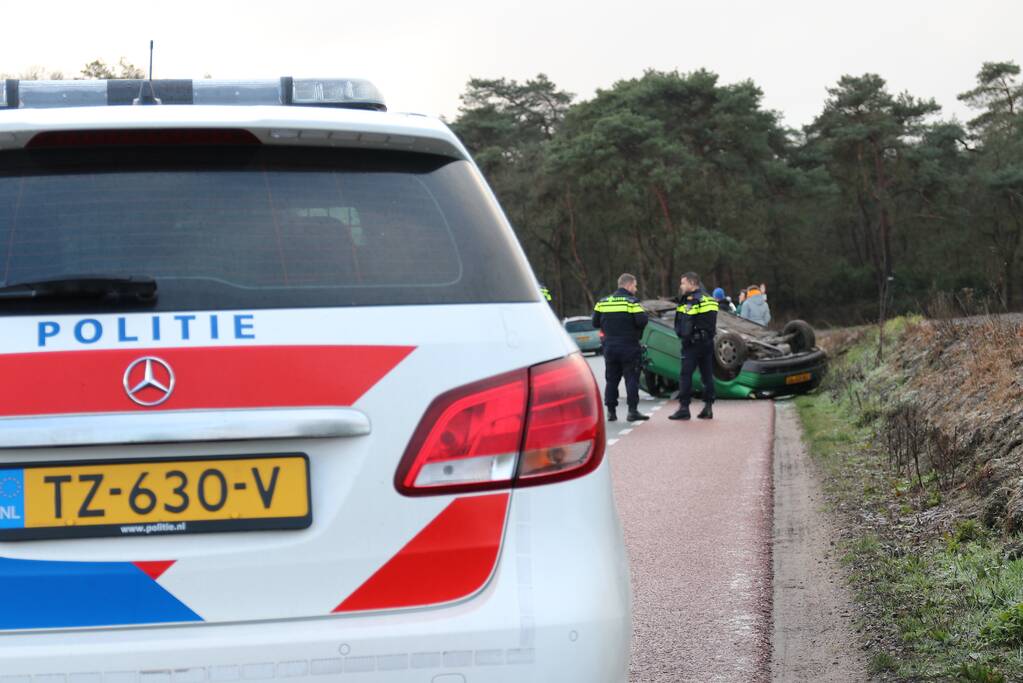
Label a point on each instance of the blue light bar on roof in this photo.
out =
(237, 92)
(349, 93)
(40, 94)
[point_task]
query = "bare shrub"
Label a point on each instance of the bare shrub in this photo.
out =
(916, 447)
(903, 431)
(941, 306)
(945, 455)
(966, 302)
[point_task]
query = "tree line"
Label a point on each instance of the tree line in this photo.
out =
(97, 69)
(879, 205)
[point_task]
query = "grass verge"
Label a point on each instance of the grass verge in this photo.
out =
(940, 593)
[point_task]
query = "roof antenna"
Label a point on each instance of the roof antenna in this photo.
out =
(151, 98)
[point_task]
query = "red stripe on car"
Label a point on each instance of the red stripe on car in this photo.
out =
(449, 559)
(57, 382)
(154, 569)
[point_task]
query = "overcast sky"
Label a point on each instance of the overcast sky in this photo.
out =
(422, 53)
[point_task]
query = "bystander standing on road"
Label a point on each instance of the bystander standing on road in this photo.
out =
(724, 301)
(622, 320)
(755, 306)
(695, 324)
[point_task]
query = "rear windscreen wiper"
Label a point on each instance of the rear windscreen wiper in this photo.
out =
(131, 288)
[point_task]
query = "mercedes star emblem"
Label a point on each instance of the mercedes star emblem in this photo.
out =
(154, 382)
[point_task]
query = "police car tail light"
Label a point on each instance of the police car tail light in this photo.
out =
(523, 428)
(565, 425)
(468, 439)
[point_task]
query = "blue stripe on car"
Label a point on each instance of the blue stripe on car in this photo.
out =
(49, 594)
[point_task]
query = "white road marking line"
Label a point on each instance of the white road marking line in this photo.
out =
(625, 431)
(612, 442)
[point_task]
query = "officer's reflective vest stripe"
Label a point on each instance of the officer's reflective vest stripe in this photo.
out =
(546, 293)
(617, 304)
(707, 304)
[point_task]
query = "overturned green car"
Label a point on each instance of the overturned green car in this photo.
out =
(750, 360)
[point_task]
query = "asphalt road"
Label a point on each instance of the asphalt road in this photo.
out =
(695, 500)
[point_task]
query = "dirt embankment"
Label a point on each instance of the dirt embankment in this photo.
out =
(948, 402)
(922, 457)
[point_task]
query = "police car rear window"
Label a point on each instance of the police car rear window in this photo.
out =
(261, 227)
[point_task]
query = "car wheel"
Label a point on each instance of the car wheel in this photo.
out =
(803, 337)
(729, 355)
(654, 384)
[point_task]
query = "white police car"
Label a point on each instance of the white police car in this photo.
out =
(279, 400)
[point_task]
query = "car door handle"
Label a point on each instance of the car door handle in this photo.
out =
(39, 431)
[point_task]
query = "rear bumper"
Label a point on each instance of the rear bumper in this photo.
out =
(557, 609)
(796, 374)
(592, 344)
(798, 362)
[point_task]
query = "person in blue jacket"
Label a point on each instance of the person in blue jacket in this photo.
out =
(724, 301)
(755, 306)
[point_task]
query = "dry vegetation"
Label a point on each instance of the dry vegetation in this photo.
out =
(959, 413)
(923, 460)
(945, 408)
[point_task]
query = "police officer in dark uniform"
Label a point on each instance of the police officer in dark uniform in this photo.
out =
(696, 320)
(622, 319)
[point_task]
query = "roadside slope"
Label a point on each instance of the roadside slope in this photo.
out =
(920, 456)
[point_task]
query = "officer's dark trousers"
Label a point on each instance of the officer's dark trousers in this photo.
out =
(697, 355)
(622, 360)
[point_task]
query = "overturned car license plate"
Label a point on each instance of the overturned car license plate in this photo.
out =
(156, 496)
(799, 379)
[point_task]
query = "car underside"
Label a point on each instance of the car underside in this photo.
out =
(750, 360)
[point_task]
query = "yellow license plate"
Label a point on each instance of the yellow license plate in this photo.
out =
(799, 379)
(584, 338)
(146, 497)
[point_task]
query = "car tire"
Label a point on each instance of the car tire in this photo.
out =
(655, 385)
(729, 354)
(803, 336)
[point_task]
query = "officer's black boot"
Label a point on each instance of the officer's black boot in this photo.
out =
(612, 416)
(636, 416)
(681, 414)
(707, 413)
